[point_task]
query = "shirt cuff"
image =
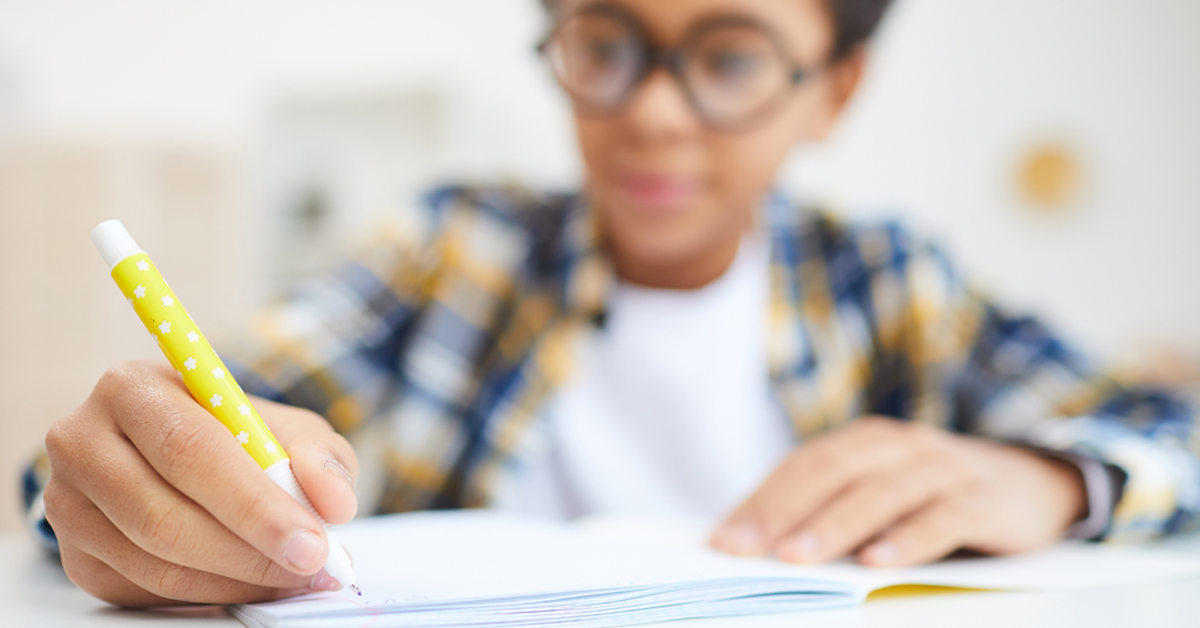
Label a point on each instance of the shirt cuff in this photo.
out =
(35, 519)
(33, 486)
(1103, 483)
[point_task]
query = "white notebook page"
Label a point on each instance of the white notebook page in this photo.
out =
(468, 559)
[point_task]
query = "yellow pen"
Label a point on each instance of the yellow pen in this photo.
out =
(203, 372)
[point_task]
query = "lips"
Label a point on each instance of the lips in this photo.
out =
(658, 194)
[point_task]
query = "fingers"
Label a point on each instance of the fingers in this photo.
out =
(197, 455)
(129, 577)
(328, 483)
(119, 486)
(102, 560)
(865, 510)
(154, 501)
(805, 481)
(928, 535)
(94, 576)
(323, 461)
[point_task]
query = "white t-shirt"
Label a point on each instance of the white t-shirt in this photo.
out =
(668, 409)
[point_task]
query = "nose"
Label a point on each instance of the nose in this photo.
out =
(660, 110)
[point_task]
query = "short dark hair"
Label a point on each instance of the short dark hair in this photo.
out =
(854, 22)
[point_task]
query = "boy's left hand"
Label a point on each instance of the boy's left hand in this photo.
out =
(897, 494)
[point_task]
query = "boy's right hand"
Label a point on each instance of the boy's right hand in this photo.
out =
(154, 502)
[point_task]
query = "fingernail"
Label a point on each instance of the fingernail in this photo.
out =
(802, 548)
(880, 553)
(339, 470)
(739, 538)
(304, 550)
(322, 581)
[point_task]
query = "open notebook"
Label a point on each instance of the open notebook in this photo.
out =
(483, 568)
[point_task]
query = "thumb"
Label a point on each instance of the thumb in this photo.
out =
(323, 461)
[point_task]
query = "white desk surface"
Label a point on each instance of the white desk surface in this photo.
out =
(35, 592)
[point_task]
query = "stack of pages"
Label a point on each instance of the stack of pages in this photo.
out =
(481, 568)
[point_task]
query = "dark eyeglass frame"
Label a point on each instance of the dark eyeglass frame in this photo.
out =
(674, 60)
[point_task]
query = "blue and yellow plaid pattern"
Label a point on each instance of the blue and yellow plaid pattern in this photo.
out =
(457, 332)
(457, 336)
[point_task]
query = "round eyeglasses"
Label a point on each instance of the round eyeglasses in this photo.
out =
(733, 70)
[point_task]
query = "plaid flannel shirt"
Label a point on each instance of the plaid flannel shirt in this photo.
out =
(455, 333)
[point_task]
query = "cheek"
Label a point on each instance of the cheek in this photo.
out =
(810, 113)
(596, 139)
(745, 163)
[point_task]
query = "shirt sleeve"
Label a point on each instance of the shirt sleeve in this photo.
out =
(33, 483)
(1103, 483)
(979, 369)
(332, 344)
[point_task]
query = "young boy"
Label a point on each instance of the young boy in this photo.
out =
(675, 337)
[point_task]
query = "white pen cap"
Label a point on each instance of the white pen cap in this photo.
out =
(114, 242)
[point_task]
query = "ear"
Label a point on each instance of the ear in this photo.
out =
(841, 81)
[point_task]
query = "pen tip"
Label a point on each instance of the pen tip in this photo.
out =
(354, 587)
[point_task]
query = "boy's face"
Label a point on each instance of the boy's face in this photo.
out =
(671, 189)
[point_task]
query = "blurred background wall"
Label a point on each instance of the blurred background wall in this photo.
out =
(1052, 145)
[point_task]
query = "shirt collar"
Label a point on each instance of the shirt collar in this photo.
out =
(589, 273)
(590, 277)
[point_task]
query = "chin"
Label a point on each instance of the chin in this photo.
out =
(657, 236)
(658, 243)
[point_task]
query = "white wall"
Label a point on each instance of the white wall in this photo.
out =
(961, 88)
(205, 70)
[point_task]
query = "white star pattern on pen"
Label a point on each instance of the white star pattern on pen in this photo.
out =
(218, 373)
(165, 328)
(243, 437)
(139, 291)
(130, 300)
(167, 301)
(193, 336)
(142, 265)
(216, 400)
(180, 374)
(190, 363)
(271, 448)
(244, 409)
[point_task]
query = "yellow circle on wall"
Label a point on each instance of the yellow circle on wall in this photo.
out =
(1049, 177)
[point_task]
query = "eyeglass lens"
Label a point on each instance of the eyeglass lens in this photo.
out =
(730, 72)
